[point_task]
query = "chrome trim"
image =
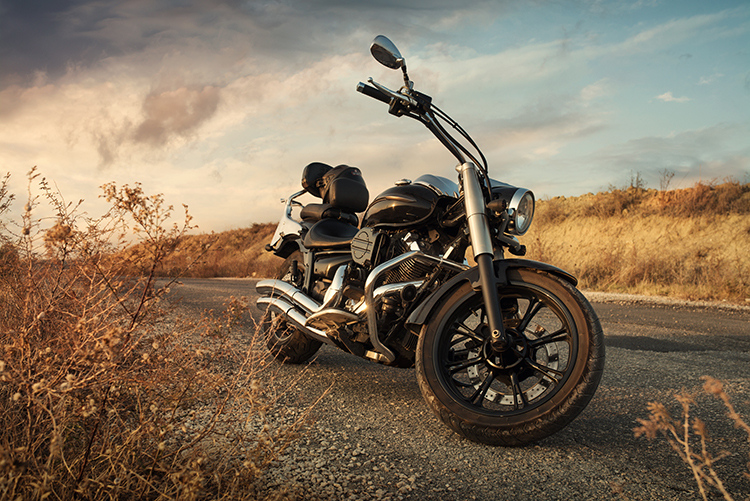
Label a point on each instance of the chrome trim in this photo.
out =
(440, 185)
(333, 293)
(476, 216)
(292, 315)
(513, 206)
(281, 292)
(279, 288)
(385, 289)
(372, 319)
(332, 317)
(285, 298)
(375, 356)
(287, 225)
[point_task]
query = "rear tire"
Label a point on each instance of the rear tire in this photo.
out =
(527, 393)
(287, 343)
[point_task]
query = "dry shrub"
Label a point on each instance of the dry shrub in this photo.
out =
(688, 243)
(615, 202)
(106, 392)
(233, 253)
(689, 437)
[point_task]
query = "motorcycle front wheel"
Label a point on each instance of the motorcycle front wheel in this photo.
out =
(528, 392)
(285, 342)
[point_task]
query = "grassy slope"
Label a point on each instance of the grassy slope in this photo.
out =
(691, 243)
(233, 253)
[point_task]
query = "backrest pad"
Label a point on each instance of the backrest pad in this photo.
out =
(344, 187)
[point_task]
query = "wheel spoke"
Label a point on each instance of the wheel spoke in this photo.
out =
(454, 367)
(470, 333)
(461, 384)
(516, 386)
(559, 335)
(478, 395)
(553, 374)
(534, 306)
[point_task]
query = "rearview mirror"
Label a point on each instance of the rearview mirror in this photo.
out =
(386, 53)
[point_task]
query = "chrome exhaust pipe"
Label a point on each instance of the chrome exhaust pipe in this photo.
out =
(278, 288)
(295, 317)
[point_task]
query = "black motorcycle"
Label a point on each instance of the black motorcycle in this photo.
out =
(507, 351)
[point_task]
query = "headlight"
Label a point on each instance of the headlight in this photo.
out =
(521, 211)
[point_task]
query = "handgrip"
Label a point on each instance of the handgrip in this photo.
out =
(373, 92)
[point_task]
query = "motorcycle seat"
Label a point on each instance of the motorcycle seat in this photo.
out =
(329, 233)
(316, 212)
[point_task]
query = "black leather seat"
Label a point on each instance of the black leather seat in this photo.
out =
(316, 212)
(329, 233)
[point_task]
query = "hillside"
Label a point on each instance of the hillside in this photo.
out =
(233, 253)
(691, 243)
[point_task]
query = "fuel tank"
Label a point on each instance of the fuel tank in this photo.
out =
(409, 203)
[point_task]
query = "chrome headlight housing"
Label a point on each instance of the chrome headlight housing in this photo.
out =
(521, 211)
(518, 203)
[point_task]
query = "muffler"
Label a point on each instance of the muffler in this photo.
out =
(293, 316)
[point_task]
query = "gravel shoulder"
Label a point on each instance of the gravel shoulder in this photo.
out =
(373, 436)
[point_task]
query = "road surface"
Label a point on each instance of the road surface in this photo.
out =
(375, 438)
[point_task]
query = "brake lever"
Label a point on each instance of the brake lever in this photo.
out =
(403, 97)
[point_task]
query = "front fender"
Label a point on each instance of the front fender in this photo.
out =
(419, 316)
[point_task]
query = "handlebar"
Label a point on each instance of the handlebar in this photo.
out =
(373, 92)
(419, 106)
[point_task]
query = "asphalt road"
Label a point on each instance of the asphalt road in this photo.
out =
(375, 438)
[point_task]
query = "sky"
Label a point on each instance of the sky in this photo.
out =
(220, 104)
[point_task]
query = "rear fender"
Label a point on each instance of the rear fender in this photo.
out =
(420, 316)
(287, 246)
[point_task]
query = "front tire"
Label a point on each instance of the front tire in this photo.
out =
(285, 342)
(527, 393)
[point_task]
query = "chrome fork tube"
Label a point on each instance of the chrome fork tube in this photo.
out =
(481, 243)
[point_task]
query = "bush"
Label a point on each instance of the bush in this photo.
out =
(688, 243)
(107, 392)
(689, 438)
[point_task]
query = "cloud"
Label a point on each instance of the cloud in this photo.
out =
(710, 79)
(53, 35)
(667, 97)
(202, 100)
(175, 113)
(710, 152)
(595, 90)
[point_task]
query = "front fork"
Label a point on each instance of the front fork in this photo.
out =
(481, 243)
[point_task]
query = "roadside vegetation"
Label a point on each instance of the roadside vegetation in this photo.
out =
(689, 437)
(235, 253)
(108, 392)
(689, 243)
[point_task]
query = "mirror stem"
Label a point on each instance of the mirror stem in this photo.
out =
(408, 83)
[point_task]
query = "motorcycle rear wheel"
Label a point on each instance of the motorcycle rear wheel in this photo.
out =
(527, 393)
(285, 342)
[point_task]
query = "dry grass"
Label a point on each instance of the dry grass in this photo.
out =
(107, 393)
(234, 253)
(690, 244)
(689, 437)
